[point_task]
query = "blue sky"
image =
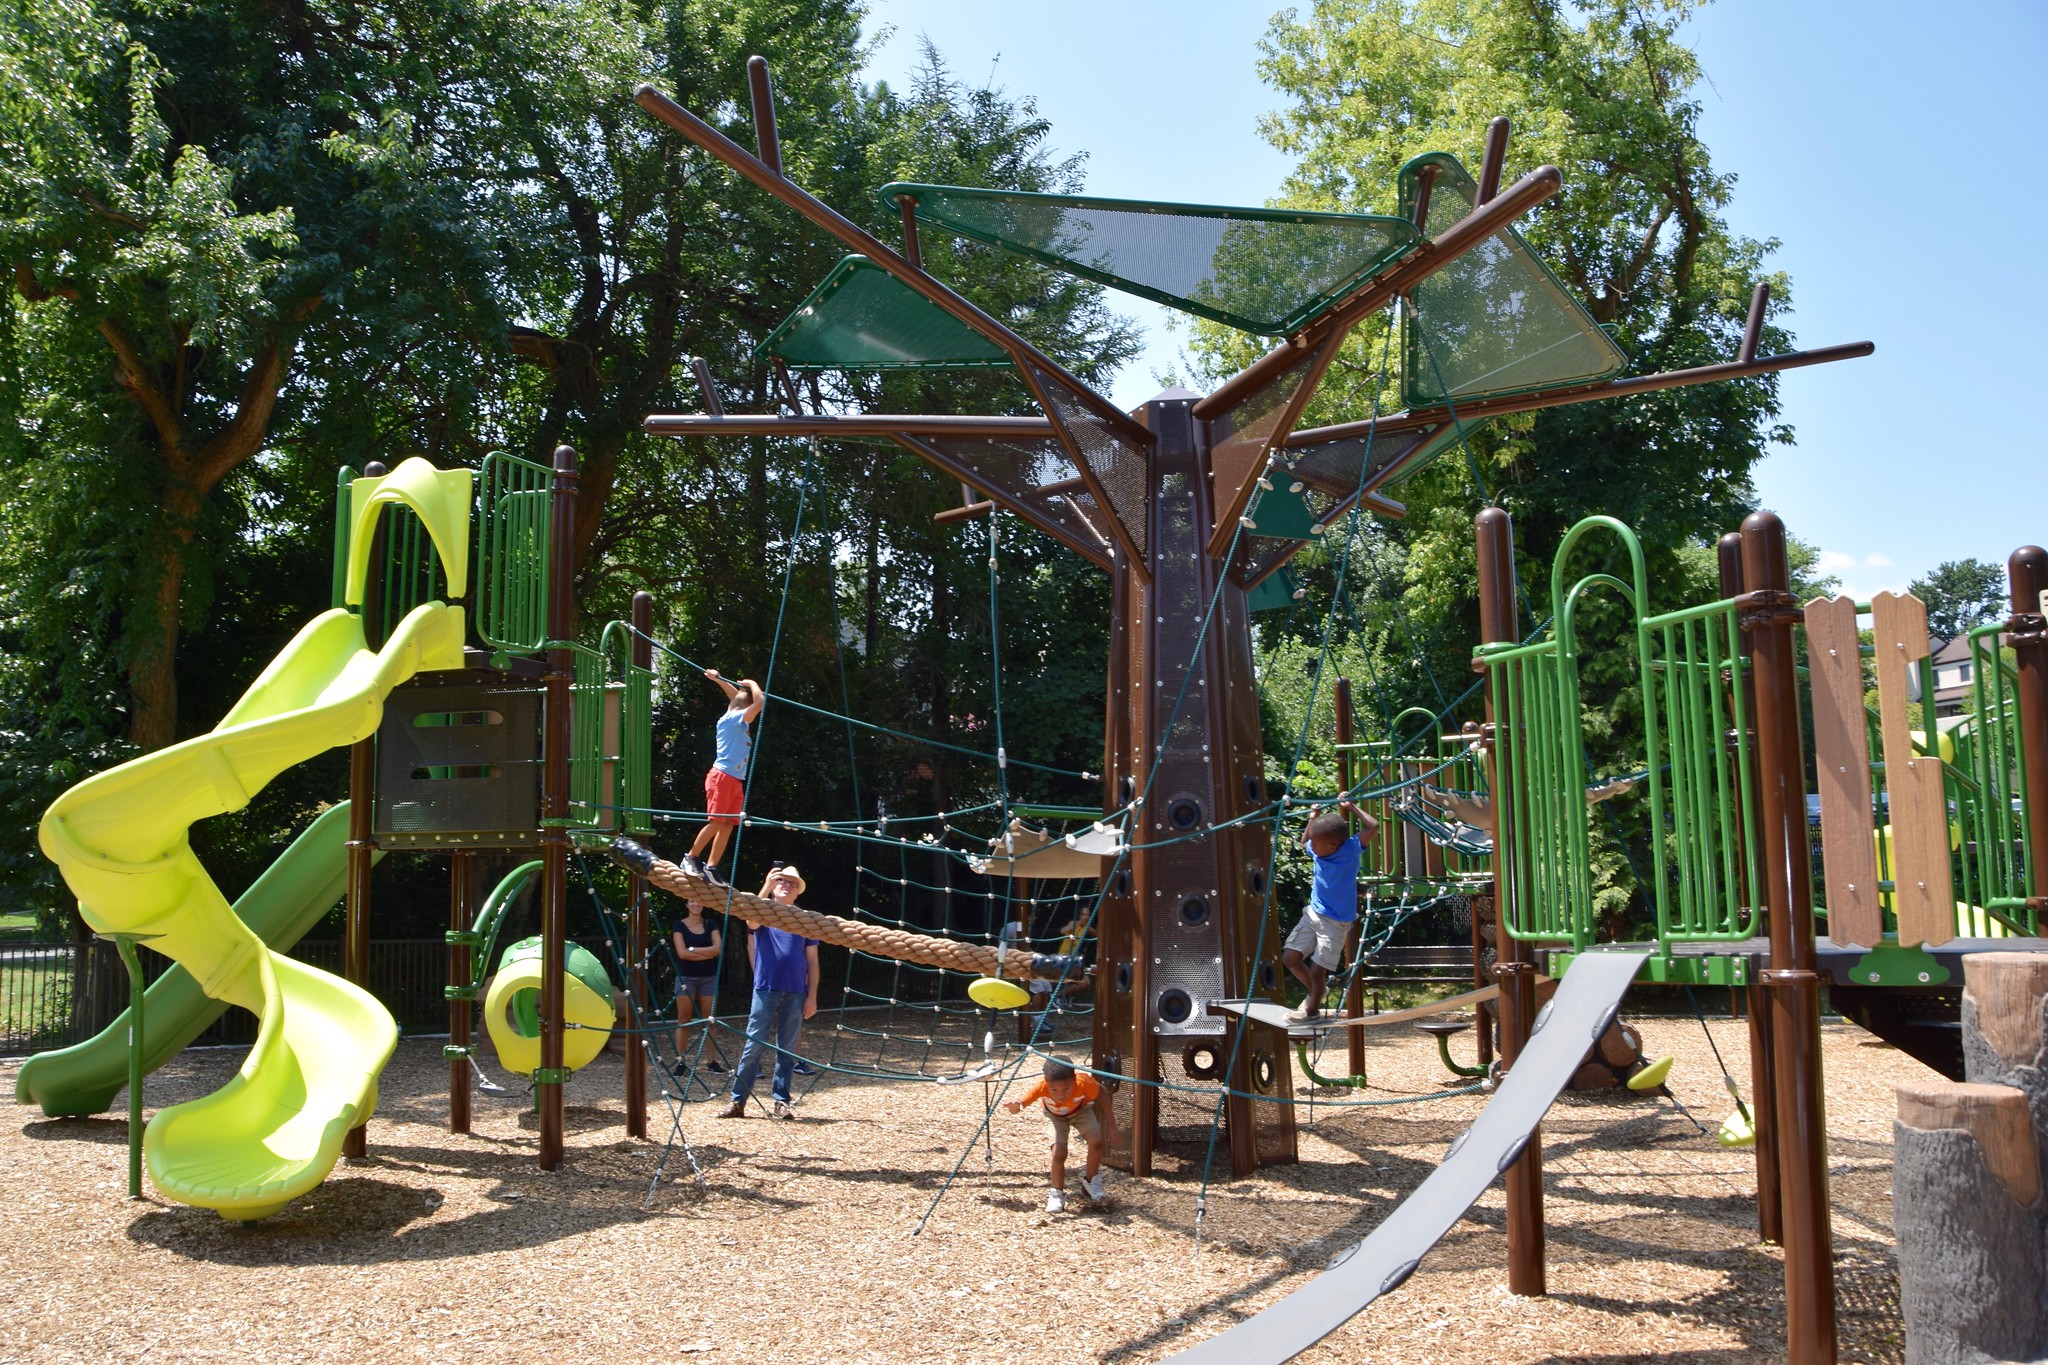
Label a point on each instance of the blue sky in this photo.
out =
(1894, 149)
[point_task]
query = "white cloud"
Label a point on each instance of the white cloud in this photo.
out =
(1878, 561)
(1834, 562)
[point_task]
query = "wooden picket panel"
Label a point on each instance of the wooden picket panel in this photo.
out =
(1923, 898)
(1842, 758)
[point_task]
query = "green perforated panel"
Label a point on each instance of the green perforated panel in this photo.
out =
(863, 318)
(1269, 271)
(1494, 321)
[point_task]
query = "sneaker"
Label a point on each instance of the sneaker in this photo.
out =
(736, 1110)
(715, 1067)
(690, 864)
(783, 1110)
(709, 872)
(1055, 1201)
(1093, 1185)
(804, 1068)
(1304, 1013)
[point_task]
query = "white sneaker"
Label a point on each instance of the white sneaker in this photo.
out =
(1304, 1013)
(1055, 1201)
(784, 1110)
(1093, 1185)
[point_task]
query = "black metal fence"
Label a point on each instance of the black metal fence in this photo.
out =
(55, 994)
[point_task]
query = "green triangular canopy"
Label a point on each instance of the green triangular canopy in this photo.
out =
(863, 318)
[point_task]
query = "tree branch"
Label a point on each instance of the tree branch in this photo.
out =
(133, 375)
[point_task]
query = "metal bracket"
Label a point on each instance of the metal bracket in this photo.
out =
(550, 1075)
(1769, 607)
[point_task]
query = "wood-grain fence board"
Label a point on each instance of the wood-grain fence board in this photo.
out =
(1923, 898)
(1842, 759)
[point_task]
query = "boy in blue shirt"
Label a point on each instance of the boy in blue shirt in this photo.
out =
(1315, 948)
(725, 786)
(785, 994)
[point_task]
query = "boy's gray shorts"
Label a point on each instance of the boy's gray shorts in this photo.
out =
(1320, 939)
(1087, 1121)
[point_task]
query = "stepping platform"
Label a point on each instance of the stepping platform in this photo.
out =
(1274, 1015)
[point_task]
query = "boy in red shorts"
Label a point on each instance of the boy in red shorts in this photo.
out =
(1072, 1100)
(725, 786)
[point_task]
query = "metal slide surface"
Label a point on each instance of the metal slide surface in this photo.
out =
(280, 907)
(1585, 1001)
(120, 838)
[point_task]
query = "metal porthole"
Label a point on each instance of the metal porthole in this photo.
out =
(1110, 1073)
(1266, 976)
(1201, 1061)
(1184, 812)
(1126, 788)
(1262, 1072)
(1194, 910)
(1123, 976)
(1175, 1005)
(1255, 880)
(1254, 788)
(1120, 885)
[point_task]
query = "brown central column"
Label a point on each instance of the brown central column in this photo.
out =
(1182, 928)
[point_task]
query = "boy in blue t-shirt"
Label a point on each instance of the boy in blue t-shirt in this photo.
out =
(725, 786)
(785, 994)
(1315, 948)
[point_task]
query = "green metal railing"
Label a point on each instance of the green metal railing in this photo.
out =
(512, 553)
(611, 726)
(343, 478)
(1988, 789)
(412, 566)
(1698, 757)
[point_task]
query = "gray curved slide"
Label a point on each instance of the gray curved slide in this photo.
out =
(1575, 1017)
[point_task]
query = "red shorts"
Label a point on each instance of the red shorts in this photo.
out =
(724, 795)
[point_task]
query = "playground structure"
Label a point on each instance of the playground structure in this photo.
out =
(1194, 506)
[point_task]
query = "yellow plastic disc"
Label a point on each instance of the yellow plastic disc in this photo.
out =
(994, 993)
(1651, 1076)
(581, 1006)
(1736, 1132)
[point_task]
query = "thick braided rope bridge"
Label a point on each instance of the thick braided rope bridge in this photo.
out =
(926, 949)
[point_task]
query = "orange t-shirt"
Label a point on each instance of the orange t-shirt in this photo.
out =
(1086, 1091)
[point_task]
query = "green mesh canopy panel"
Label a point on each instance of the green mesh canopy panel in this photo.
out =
(1494, 321)
(1118, 467)
(863, 318)
(1339, 467)
(1268, 271)
(1037, 473)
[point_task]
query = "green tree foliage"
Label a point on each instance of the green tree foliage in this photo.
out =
(1961, 594)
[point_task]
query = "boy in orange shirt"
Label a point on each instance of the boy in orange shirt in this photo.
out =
(1072, 1100)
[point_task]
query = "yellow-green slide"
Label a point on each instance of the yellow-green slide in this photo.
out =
(280, 907)
(120, 840)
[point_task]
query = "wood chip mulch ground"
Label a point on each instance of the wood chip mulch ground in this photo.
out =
(800, 1246)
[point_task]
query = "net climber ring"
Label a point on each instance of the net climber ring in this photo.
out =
(512, 1009)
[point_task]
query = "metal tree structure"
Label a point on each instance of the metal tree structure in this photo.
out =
(1192, 502)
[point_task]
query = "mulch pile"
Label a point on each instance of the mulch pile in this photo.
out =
(800, 1246)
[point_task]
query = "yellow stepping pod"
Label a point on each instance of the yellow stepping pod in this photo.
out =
(1651, 1076)
(121, 840)
(992, 992)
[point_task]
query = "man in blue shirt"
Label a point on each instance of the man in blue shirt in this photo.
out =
(785, 994)
(725, 785)
(1315, 948)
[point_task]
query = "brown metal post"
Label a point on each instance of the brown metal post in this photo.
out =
(362, 809)
(638, 1051)
(1354, 994)
(1791, 983)
(1763, 1101)
(461, 868)
(1515, 967)
(2027, 571)
(906, 208)
(1496, 157)
(554, 807)
(767, 145)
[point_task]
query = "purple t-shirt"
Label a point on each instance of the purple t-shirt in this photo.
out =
(779, 960)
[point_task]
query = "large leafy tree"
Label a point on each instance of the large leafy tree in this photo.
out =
(1961, 594)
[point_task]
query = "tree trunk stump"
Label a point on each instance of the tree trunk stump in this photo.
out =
(1967, 1179)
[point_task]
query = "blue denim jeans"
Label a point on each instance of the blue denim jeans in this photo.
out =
(776, 1020)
